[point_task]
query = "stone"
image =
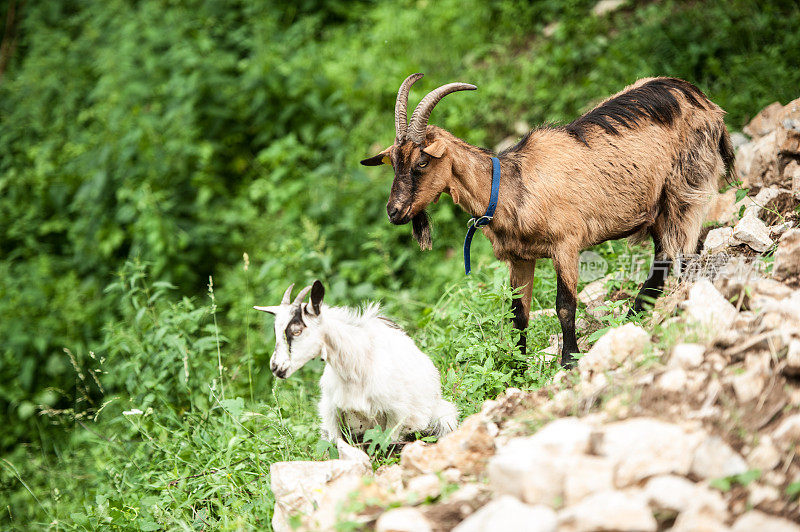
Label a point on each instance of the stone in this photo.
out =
(722, 209)
(755, 520)
(348, 452)
(593, 295)
(739, 139)
(749, 385)
(467, 449)
(607, 6)
(718, 239)
(787, 257)
(568, 435)
(756, 161)
(390, 478)
(672, 380)
(793, 358)
(787, 434)
(759, 494)
(613, 348)
(645, 447)
(764, 456)
(687, 356)
(301, 487)
(532, 468)
(669, 493)
(403, 520)
(587, 475)
(789, 117)
(707, 307)
(608, 510)
(714, 458)
(765, 121)
(791, 174)
(508, 513)
(424, 487)
(752, 231)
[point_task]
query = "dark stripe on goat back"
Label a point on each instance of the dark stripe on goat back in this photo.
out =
(653, 101)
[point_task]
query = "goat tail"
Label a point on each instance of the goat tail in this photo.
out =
(728, 156)
(445, 419)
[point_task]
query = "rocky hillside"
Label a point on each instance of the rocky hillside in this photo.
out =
(689, 423)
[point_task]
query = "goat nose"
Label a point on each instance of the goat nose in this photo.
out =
(391, 210)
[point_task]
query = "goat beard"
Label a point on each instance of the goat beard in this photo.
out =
(421, 228)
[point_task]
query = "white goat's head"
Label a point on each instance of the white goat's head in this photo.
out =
(297, 334)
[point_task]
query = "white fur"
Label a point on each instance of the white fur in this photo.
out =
(374, 373)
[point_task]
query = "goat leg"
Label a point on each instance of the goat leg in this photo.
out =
(566, 266)
(522, 273)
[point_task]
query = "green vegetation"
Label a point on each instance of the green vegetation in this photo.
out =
(148, 146)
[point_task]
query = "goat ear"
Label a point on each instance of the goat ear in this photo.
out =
(317, 293)
(271, 310)
(377, 160)
(435, 149)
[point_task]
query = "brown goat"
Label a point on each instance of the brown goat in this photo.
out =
(643, 162)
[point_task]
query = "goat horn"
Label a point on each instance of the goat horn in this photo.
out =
(419, 119)
(302, 295)
(401, 105)
(287, 295)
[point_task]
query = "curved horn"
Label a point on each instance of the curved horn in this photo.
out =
(419, 119)
(287, 295)
(302, 295)
(401, 105)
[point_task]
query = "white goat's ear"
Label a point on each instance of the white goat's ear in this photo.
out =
(435, 149)
(317, 293)
(271, 310)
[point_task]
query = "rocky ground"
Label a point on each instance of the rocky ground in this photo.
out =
(692, 423)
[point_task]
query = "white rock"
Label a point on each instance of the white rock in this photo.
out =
(672, 380)
(764, 456)
(787, 257)
(714, 458)
(706, 512)
(568, 435)
(759, 521)
(644, 447)
(752, 231)
(669, 493)
(687, 356)
(348, 452)
(748, 385)
(594, 294)
(759, 493)
(718, 239)
(587, 475)
(508, 513)
(520, 470)
(707, 307)
(788, 432)
(300, 488)
(613, 348)
(793, 357)
(403, 520)
(608, 510)
(755, 161)
(424, 486)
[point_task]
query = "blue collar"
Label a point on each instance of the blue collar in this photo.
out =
(475, 223)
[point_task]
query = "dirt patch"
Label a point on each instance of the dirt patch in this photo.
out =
(780, 209)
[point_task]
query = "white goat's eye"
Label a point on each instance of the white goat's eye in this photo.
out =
(296, 332)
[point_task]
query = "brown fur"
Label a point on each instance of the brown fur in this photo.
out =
(563, 191)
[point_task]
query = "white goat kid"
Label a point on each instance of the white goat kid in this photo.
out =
(374, 373)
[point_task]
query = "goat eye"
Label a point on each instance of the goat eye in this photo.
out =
(296, 332)
(422, 164)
